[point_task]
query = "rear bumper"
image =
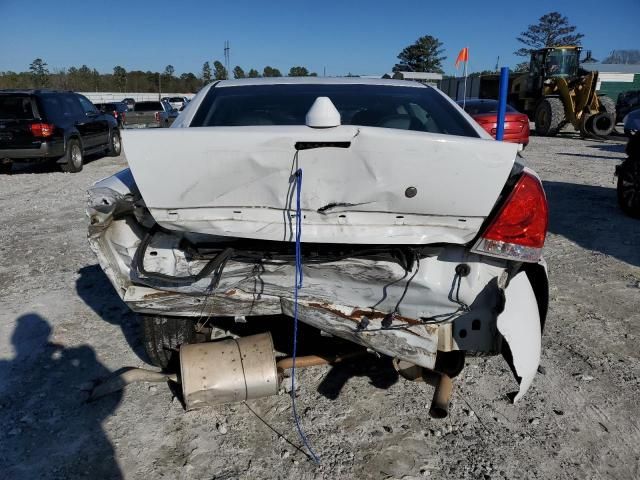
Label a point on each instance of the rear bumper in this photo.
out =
(46, 150)
(352, 298)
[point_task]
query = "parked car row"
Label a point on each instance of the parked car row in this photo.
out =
(151, 114)
(50, 125)
(177, 103)
(117, 109)
(156, 113)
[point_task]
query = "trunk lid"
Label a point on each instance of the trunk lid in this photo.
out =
(363, 185)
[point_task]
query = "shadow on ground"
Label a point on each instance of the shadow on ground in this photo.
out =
(589, 216)
(96, 290)
(614, 147)
(48, 430)
(582, 155)
(49, 166)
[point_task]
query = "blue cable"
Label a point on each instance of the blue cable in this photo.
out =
(297, 285)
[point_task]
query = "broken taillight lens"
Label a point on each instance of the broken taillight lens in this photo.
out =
(42, 129)
(519, 229)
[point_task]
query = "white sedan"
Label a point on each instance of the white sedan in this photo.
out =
(421, 237)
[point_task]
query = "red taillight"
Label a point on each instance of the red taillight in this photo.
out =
(115, 114)
(158, 117)
(42, 129)
(519, 229)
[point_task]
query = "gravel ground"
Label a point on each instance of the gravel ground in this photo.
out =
(62, 326)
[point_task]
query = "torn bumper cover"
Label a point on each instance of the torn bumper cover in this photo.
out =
(408, 304)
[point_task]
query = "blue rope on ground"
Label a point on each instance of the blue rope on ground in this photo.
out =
(296, 287)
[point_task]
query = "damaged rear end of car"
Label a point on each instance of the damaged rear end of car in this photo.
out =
(419, 245)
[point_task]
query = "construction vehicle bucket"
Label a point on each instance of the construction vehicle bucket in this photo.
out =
(230, 370)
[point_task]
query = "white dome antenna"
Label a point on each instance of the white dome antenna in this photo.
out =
(323, 114)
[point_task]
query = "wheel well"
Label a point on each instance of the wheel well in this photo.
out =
(74, 136)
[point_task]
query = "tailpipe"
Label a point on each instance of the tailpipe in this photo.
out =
(228, 371)
(442, 382)
(441, 397)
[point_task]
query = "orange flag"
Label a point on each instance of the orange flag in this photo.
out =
(463, 56)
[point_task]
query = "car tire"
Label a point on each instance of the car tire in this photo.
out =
(628, 188)
(115, 143)
(162, 337)
(549, 117)
(73, 157)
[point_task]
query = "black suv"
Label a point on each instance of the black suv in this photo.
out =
(46, 124)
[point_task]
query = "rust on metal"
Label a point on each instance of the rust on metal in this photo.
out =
(357, 314)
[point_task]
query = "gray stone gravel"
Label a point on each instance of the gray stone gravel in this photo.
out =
(62, 326)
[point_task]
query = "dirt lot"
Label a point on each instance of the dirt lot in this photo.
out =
(62, 326)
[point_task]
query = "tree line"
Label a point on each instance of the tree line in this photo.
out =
(424, 55)
(87, 79)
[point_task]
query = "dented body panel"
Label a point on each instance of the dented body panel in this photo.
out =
(238, 182)
(438, 312)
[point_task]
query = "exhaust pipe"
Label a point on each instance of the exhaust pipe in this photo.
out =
(442, 382)
(228, 371)
(315, 360)
(441, 397)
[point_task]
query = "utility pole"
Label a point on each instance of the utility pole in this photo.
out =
(159, 86)
(227, 60)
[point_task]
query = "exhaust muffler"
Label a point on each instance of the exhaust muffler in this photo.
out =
(228, 371)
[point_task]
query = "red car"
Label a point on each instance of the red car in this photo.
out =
(485, 112)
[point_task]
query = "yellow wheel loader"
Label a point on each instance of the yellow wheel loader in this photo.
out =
(556, 91)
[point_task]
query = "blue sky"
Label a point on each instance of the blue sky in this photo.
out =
(361, 37)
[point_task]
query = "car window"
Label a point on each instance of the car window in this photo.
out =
(407, 108)
(16, 107)
(176, 99)
(72, 107)
(87, 106)
(53, 107)
(147, 107)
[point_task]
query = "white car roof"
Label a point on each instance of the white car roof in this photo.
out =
(317, 81)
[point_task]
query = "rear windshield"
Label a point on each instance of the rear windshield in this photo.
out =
(148, 106)
(16, 107)
(476, 108)
(406, 108)
(176, 99)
